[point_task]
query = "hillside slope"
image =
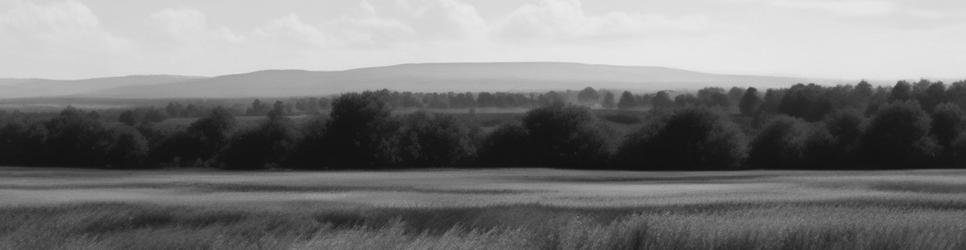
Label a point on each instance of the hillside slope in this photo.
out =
(17, 88)
(443, 77)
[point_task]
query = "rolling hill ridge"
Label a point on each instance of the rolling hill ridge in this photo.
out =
(426, 77)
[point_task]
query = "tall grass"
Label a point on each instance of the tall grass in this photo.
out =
(719, 226)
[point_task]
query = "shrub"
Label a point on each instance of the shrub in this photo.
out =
(688, 139)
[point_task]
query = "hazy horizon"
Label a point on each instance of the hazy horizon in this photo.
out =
(427, 63)
(844, 39)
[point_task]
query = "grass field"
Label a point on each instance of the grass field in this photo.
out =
(481, 209)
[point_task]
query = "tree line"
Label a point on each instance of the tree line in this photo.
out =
(805, 126)
(394, 99)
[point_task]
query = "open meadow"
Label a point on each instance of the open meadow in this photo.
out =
(481, 209)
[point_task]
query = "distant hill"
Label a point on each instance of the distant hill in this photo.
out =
(428, 77)
(17, 88)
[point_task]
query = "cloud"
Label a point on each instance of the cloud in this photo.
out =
(57, 27)
(446, 19)
(367, 27)
(291, 30)
(189, 26)
(567, 20)
(859, 8)
(418, 23)
(927, 14)
(843, 7)
(58, 38)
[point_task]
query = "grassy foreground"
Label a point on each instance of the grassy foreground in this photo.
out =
(485, 209)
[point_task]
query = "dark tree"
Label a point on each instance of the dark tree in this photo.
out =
(608, 102)
(588, 96)
(948, 122)
(359, 133)
(199, 143)
(77, 138)
(310, 152)
(685, 100)
(128, 117)
(627, 101)
(956, 93)
(129, 149)
(154, 115)
(714, 97)
(902, 91)
(809, 102)
(565, 136)
(507, 146)
(735, 94)
(860, 95)
(662, 100)
(174, 109)
(750, 102)
(258, 108)
(266, 146)
(213, 131)
(846, 127)
(688, 139)
(772, 101)
(778, 145)
(834, 143)
(428, 140)
(959, 151)
(933, 95)
(23, 142)
(550, 98)
(898, 137)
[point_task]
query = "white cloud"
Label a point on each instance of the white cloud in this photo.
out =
(54, 38)
(566, 19)
(843, 7)
(367, 27)
(446, 19)
(291, 30)
(927, 14)
(190, 27)
(57, 27)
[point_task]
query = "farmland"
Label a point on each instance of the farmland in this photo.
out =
(44, 208)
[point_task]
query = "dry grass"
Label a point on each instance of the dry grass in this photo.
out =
(542, 209)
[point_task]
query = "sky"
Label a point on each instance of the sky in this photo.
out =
(872, 39)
